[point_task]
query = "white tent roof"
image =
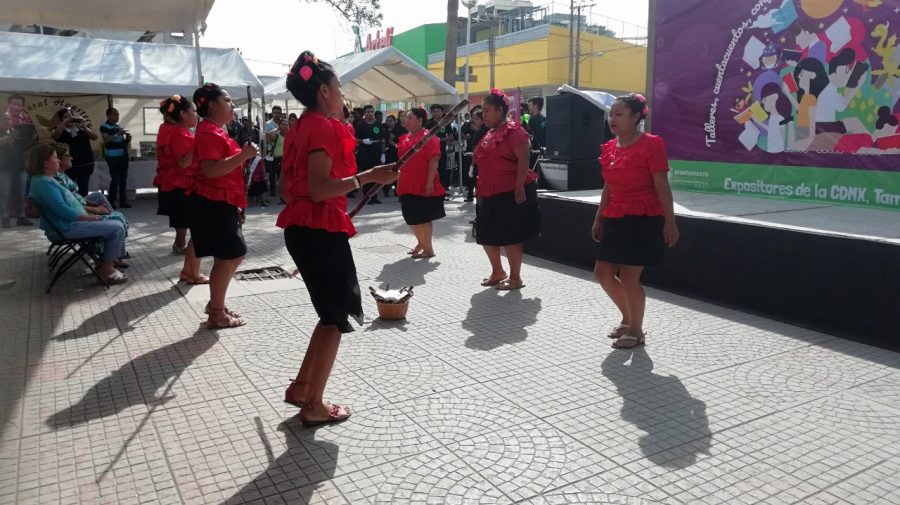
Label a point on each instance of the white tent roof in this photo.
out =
(50, 64)
(383, 75)
(154, 15)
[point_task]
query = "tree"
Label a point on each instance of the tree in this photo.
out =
(452, 42)
(364, 13)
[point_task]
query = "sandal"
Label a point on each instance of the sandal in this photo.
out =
(422, 254)
(193, 281)
(289, 396)
(219, 319)
(633, 341)
(618, 332)
(178, 250)
(116, 277)
(337, 414)
(121, 264)
(491, 281)
(508, 286)
(226, 309)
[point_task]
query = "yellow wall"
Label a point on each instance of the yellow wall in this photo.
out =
(623, 66)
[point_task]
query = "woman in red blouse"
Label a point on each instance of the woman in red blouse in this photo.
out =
(318, 170)
(636, 218)
(219, 199)
(175, 180)
(507, 211)
(419, 188)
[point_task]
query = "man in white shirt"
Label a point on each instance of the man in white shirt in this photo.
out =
(271, 126)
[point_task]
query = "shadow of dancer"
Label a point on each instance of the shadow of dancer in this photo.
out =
(406, 272)
(306, 457)
(136, 382)
(495, 320)
(132, 310)
(676, 426)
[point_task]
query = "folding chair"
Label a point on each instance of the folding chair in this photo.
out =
(77, 249)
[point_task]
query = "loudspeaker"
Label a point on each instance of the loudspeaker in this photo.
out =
(575, 128)
(561, 175)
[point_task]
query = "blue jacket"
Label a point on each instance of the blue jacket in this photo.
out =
(59, 206)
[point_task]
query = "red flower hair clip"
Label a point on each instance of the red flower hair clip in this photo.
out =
(501, 94)
(640, 98)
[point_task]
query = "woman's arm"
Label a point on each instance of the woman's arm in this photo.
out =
(432, 172)
(186, 160)
(664, 192)
(322, 186)
(51, 200)
(90, 133)
(218, 168)
(597, 228)
(523, 154)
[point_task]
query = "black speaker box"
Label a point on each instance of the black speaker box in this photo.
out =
(575, 128)
(566, 175)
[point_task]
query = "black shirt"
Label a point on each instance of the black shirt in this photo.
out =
(79, 147)
(537, 124)
(375, 132)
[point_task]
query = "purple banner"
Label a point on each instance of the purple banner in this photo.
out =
(779, 82)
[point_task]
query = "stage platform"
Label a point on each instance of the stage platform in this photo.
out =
(830, 268)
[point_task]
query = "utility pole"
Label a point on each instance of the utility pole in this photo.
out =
(571, 39)
(578, 48)
(468, 4)
(492, 51)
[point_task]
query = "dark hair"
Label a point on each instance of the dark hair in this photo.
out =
(419, 113)
(496, 101)
(818, 82)
(293, 115)
(841, 59)
(537, 101)
(210, 92)
(437, 106)
(368, 107)
(885, 118)
(40, 152)
(111, 110)
(347, 113)
(308, 74)
(60, 112)
(478, 114)
(172, 107)
(15, 97)
(276, 107)
(390, 116)
(782, 104)
(635, 105)
(61, 149)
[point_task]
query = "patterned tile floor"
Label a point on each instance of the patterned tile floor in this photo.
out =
(121, 396)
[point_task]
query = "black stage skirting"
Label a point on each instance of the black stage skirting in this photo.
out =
(842, 286)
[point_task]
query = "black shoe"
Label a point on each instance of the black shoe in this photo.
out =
(5, 223)
(125, 205)
(23, 222)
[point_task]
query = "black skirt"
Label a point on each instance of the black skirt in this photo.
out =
(500, 221)
(216, 229)
(326, 264)
(421, 209)
(632, 240)
(176, 205)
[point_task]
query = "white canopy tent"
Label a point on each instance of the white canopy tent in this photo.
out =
(155, 16)
(385, 75)
(65, 65)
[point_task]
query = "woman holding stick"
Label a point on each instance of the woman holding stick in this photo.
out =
(318, 170)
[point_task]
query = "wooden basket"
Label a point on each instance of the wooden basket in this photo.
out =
(392, 311)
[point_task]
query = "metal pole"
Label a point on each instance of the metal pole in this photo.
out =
(571, 38)
(197, 56)
(468, 49)
(651, 60)
(492, 51)
(578, 48)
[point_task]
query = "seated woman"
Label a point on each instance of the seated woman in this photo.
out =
(61, 212)
(96, 202)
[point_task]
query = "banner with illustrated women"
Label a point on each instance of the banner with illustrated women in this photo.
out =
(794, 99)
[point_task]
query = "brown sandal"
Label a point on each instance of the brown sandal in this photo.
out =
(193, 281)
(618, 332)
(220, 319)
(337, 414)
(226, 309)
(632, 341)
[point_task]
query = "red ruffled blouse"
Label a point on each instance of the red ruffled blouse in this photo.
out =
(212, 143)
(414, 173)
(628, 175)
(496, 160)
(315, 132)
(173, 142)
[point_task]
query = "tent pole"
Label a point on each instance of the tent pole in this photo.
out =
(197, 56)
(249, 103)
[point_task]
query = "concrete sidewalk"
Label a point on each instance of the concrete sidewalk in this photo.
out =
(122, 396)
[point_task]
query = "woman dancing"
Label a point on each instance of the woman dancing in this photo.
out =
(636, 217)
(218, 202)
(175, 180)
(419, 187)
(318, 169)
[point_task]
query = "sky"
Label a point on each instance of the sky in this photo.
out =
(271, 33)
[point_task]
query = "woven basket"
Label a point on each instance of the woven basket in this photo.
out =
(392, 311)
